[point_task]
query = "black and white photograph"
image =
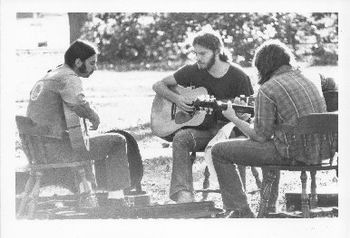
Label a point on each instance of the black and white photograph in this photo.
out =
(168, 119)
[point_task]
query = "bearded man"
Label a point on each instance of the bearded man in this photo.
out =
(223, 79)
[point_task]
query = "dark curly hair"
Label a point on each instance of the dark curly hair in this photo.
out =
(212, 41)
(270, 56)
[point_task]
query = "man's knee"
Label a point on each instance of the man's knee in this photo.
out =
(119, 140)
(215, 152)
(218, 155)
(183, 139)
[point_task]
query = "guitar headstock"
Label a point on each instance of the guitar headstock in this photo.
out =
(207, 103)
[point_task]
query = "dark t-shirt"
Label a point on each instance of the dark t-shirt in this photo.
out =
(233, 84)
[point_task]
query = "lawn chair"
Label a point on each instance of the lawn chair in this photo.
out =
(323, 126)
(33, 138)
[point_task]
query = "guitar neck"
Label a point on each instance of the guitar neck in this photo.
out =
(238, 108)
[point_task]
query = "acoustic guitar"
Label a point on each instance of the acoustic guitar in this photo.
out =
(167, 118)
(77, 130)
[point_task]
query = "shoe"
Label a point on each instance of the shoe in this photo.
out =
(87, 201)
(184, 197)
(240, 213)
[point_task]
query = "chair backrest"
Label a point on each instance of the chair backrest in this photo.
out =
(316, 137)
(33, 137)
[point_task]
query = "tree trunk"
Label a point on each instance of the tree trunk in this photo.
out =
(76, 22)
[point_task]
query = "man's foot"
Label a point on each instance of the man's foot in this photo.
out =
(184, 197)
(240, 213)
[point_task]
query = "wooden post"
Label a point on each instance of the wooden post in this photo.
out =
(314, 197)
(206, 183)
(34, 195)
(304, 197)
(27, 190)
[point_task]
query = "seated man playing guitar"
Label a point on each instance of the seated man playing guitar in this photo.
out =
(58, 96)
(223, 80)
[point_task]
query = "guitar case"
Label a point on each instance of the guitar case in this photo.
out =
(135, 163)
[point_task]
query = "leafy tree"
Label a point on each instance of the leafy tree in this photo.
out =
(160, 40)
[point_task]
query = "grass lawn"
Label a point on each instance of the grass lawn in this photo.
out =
(123, 100)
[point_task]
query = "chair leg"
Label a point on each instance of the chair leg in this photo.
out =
(304, 197)
(34, 195)
(206, 183)
(85, 188)
(27, 190)
(242, 173)
(314, 198)
(256, 176)
(265, 194)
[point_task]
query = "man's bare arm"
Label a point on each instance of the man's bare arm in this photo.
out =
(162, 88)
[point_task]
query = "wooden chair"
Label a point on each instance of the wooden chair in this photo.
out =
(318, 125)
(33, 138)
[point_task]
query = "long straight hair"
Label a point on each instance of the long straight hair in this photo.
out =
(270, 56)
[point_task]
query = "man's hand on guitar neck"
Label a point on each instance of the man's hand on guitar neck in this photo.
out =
(242, 116)
(230, 113)
(184, 103)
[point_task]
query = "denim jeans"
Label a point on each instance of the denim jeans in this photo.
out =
(242, 151)
(111, 162)
(186, 141)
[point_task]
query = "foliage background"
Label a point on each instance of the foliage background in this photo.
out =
(162, 41)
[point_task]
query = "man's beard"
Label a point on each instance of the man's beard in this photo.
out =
(209, 64)
(82, 69)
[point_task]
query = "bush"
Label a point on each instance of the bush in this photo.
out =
(147, 41)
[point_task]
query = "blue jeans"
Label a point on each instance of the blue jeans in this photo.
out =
(111, 162)
(242, 151)
(186, 141)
